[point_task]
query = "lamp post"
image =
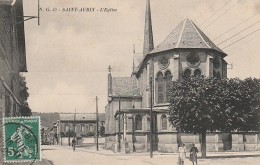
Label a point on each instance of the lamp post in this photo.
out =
(75, 125)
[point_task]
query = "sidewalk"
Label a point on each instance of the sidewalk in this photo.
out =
(210, 155)
(90, 155)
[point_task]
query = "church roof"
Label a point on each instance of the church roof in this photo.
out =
(186, 35)
(125, 86)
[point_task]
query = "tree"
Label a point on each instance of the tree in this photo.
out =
(25, 110)
(200, 105)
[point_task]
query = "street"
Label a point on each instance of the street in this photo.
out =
(58, 155)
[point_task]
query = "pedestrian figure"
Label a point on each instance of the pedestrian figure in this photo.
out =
(73, 144)
(193, 154)
(182, 154)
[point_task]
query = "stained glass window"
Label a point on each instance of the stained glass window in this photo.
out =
(164, 122)
(187, 73)
(168, 80)
(148, 123)
(160, 88)
(197, 73)
(138, 122)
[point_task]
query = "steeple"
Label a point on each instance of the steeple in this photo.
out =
(148, 31)
(109, 80)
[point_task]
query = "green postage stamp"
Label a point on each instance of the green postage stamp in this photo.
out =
(22, 139)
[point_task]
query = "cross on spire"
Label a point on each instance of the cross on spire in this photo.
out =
(109, 69)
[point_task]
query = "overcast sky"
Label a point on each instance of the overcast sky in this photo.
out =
(69, 53)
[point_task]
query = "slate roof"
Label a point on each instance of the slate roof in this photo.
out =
(81, 117)
(125, 86)
(186, 35)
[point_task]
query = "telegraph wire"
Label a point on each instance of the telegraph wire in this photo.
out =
(239, 46)
(222, 14)
(215, 12)
(241, 38)
(234, 27)
(238, 33)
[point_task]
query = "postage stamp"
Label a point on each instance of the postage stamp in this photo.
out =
(22, 141)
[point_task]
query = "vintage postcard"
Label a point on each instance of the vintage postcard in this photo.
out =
(130, 81)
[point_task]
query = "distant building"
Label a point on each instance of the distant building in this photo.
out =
(186, 51)
(12, 57)
(83, 124)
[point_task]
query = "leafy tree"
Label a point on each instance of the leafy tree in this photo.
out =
(200, 105)
(25, 110)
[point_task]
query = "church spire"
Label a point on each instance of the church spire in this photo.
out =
(148, 31)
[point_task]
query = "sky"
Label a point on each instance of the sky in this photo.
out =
(69, 53)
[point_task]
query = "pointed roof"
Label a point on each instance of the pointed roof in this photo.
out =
(124, 86)
(186, 35)
(148, 31)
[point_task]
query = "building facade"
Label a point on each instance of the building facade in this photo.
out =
(77, 125)
(186, 51)
(12, 57)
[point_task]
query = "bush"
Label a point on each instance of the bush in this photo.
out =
(68, 133)
(88, 134)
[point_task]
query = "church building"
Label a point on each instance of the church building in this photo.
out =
(186, 51)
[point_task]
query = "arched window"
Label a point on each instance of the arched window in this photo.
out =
(148, 123)
(197, 73)
(186, 73)
(138, 122)
(164, 122)
(82, 128)
(160, 88)
(168, 80)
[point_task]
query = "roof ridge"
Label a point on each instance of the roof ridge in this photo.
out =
(196, 28)
(180, 35)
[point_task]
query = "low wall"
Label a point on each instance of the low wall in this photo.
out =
(84, 140)
(168, 142)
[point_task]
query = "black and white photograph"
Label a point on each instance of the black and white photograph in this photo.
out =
(122, 82)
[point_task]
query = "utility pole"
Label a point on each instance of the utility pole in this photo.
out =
(69, 135)
(75, 126)
(119, 124)
(97, 134)
(151, 117)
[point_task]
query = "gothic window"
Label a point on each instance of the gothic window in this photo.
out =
(164, 122)
(148, 123)
(160, 88)
(168, 80)
(186, 73)
(197, 73)
(87, 127)
(82, 128)
(91, 128)
(138, 122)
(216, 74)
